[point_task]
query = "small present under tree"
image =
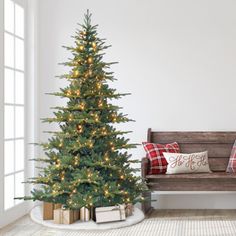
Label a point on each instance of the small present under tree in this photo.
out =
(87, 160)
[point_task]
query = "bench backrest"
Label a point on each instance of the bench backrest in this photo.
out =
(218, 144)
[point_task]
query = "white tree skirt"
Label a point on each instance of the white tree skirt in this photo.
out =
(36, 216)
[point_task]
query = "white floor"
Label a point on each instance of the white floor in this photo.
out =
(163, 223)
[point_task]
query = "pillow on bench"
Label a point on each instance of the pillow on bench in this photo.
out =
(158, 163)
(231, 168)
(180, 163)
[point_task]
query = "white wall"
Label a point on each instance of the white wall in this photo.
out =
(177, 58)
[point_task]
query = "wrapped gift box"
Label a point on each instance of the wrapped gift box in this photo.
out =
(109, 214)
(48, 208)
(76, 215)
(84, 214)
(129, 209)
(65, 216)
(57, 216)
(57, 206)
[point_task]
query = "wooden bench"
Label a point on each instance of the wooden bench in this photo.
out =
(218, 145)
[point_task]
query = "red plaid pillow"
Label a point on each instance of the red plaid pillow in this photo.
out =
(232, 160)
(158, 163)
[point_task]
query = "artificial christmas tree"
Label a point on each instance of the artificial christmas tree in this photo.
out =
(87, 160)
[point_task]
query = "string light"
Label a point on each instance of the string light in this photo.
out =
(93, 132)
(104, 132)
(99, 85)
(122, 177)
(58, 165)
(112, 146)
(90, 60)
(75, 73)
(90, 144)
(76, 158)
(114, 117)
(68, 92)
(60, 144)
(78, 92)
(82, 106)
(94, 45)
(86, 75)
(76, 163)
(90, 72)
(79, 129)
(74, 63)
(100, 104)
(96, 117)
(83, 33)
(81, 48)
(70, 117)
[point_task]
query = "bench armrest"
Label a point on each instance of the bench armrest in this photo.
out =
(144, 167)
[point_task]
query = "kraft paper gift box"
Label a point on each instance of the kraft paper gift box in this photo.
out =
(76, 215)
(57, 215)
(84, 214)
(67, 217)
(48, 208)
(129, 209)
(57, 206)
(109, 214)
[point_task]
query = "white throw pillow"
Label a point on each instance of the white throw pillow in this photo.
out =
(187, 163)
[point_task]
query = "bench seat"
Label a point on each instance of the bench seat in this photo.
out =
(213, 175)
(216, 181)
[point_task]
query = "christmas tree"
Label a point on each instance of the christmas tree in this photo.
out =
(87, 163)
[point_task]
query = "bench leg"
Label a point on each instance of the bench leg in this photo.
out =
(146, 205)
